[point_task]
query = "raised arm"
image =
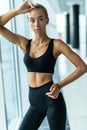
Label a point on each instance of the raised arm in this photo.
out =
(7, 16)
(10, 36)
(24, 8)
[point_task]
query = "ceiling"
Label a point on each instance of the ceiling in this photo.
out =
(59, 6)
(66, 4)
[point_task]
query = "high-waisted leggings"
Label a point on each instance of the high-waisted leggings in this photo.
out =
(40, 106)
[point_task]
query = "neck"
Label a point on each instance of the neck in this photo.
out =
(40, 39)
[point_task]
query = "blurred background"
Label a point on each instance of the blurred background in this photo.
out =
(68, 21)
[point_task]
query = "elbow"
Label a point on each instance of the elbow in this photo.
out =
(1, 22)
(83, 69)
(0, 29)
(86, 68)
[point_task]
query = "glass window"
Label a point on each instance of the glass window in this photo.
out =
(10, 76)
(10, 86)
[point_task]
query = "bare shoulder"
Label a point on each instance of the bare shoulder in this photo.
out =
(61, 46)
(65, 49)
(56, 47)
(59, 43)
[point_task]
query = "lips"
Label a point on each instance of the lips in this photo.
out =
(37, 30)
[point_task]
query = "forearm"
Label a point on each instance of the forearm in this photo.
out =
(24, 8)
(72, 77)
(7, 16)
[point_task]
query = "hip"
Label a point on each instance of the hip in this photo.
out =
(38, 97)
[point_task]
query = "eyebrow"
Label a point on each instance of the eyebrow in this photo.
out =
(39, 17)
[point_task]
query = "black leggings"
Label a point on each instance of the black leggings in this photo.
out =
(40, 106)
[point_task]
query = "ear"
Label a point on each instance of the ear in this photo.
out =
(47, 20)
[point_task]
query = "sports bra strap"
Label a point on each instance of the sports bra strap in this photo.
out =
(29, 41)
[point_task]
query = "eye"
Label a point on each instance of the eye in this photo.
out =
(41, 19)
(32, 20)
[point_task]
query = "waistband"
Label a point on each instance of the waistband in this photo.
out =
(42, 87)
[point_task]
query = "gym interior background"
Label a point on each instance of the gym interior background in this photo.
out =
(68, 21)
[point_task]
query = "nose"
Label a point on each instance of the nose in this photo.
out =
(37, 23)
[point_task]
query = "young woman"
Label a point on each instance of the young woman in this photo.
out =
(40, 54)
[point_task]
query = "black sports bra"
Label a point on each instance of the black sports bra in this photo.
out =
(43, 64)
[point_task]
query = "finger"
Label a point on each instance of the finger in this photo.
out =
(31, 9)
(53, 91)
(53, 96)
(32, 6)
(47, 93)
(50, 93)
(51, 88)
(30, 3)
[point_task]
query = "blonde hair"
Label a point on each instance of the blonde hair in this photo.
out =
(39, 6)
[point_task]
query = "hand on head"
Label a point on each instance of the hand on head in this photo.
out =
(26, 7)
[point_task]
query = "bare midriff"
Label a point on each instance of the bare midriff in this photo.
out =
(38, 79)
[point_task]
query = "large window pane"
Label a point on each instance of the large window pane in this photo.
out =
(10, 85)
(9, 75)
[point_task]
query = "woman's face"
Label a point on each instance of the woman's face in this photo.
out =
(38, 20)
